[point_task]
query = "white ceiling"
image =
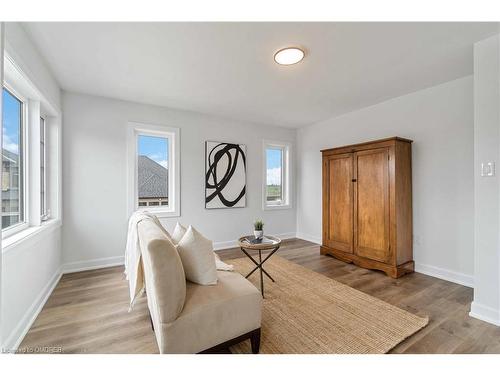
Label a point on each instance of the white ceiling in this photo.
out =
(227, 69)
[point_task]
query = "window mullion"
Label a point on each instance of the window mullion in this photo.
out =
(32, 153)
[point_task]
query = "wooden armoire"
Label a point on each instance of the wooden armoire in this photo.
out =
(367, 205)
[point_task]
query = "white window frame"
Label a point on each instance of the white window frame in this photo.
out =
(24, 224)
(36, 103)
(286, 171)
(45, 215)
(134, 130)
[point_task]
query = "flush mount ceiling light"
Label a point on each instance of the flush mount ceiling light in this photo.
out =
(289, 56)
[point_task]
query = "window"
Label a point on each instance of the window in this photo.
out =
(154, 169)
(274, 175)
(44, 212)
(12, 161)
(30, 157)
(276, 189)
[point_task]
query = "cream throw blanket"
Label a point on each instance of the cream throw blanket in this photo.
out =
(221, 266)
(133, 262)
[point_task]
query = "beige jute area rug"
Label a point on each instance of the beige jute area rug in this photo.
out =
(306, 312)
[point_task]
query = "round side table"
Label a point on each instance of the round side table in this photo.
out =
(249, 243)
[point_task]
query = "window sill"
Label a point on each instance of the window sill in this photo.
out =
(158, 212)
(277, 207)
(14, 240)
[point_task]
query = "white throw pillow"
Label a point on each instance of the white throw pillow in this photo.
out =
(178, 233)
(197, 256)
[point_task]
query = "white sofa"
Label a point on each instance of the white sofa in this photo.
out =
(192, 318)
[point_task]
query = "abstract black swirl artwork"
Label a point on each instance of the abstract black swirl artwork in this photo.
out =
(225, 175)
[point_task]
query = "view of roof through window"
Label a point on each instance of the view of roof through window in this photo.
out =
(152, 171)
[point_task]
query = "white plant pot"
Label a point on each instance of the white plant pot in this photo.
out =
(258, 234)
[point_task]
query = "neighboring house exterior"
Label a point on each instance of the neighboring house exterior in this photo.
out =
(152, 179)
(11, 210)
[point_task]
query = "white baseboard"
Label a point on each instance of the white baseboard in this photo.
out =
(93, 264)
(445, 274)
(225, 245)
(119, 260)
(307, 237)
(230, 244)
(485, 313)
(16, 337)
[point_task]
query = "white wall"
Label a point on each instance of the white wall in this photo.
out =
(30, 267)
(94, 169)
(31, 270)
(24, 52)
(440, 122)
(486, 303)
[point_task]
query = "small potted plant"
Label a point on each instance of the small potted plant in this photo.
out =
(258, 227)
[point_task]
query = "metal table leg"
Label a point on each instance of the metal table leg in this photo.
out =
(259, 266)
(261, 274)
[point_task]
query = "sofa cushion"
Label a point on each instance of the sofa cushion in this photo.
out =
(197, 255)
(214, 314)
(163, 272)
(178, 233)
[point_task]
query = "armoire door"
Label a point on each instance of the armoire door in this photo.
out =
(338, 202)
(371, 204)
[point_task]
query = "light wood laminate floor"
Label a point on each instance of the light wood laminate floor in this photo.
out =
(88, 311)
